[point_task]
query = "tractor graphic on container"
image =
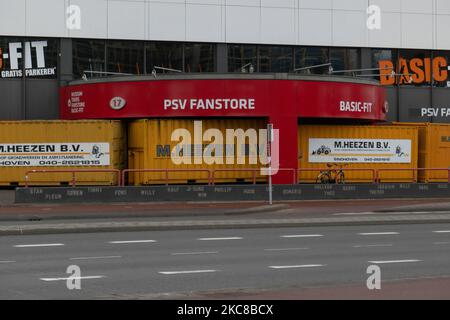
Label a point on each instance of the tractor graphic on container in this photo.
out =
(322, 150)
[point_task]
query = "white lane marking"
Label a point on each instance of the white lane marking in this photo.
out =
(297, 266)
(395, 261)
(72, 278)
(7, 262)
(302, 236)
(442, 231)
(193, 253)
(95, 258)
(286, 249)
(440, 243)
(39, 245)
(132, 241)
(378, 233)
(373, 246)
(218, 239)
(186, 272)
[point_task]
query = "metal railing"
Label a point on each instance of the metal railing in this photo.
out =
(376, 175)
(373, 172)
(73, 181)
(415, 172)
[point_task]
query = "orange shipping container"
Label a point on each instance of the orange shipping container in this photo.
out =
(358, 147)
(150, 146)
(434, 150)
(61, 145)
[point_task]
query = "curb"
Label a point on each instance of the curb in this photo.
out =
(217, 224)
(121, 215)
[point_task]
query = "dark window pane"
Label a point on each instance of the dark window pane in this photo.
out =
(385, 60)
(414, 68)
(345, 59)
(199, 57)
(125, 57)
(88, 56)
(275, 59)
(240, 56)
(164, 55)
(312, 56)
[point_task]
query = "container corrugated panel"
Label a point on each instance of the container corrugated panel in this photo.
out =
(434, 150)
(150, 147)
(61, 145)
(359, 134)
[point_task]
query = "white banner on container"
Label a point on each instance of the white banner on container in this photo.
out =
(54, 154)
(359, 151)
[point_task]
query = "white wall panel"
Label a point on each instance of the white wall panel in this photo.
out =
(12, 17)
(316, 4)
(442, 38)
(417, 31)
(204, 23)
(417, 6)
(94, 19)
(315, 27)
(243, 24)
(356, 5)
(167, 21)
(388, 5)
(126, 20)
(443, 6)
(405, 23)
(45, 17)
(347, 30)
(278, 26)
(390, 35)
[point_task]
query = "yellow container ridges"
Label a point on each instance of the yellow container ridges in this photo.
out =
(150, 147)
(39, 145)
(434, 150)
(377, 132)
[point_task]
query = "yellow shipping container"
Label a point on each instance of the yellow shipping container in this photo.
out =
(150, 147)
(61, 145)
(359, 147)
(434, 150)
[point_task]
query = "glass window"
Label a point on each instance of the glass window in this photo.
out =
(164, 55)
(240, 56)
(345, 59)
(199, 57)
(385, 60)
(312, 56)
(88, 55)
(125, 57)
(275, 59)
(414, 68)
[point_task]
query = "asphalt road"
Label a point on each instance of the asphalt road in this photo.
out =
(177, 264)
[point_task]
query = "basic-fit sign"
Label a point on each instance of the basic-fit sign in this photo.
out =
(414, 71)
(54, 154)
(359, 151)
(32, 53)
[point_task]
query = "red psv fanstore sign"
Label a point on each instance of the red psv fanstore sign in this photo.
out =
(223, 98)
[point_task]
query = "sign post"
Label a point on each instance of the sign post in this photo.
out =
(270, 139)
